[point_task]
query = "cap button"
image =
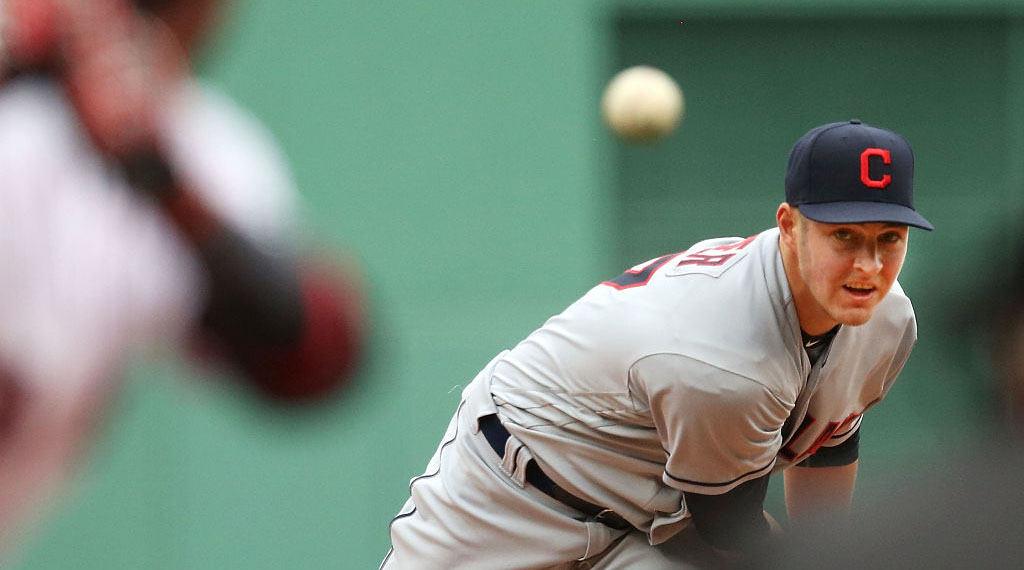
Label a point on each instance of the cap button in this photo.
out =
(854, 121)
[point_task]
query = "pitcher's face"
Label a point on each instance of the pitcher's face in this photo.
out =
(848, 268)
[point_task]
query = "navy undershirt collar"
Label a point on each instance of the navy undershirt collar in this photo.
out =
(815, 345)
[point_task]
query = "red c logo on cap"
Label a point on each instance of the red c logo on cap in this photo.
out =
(865, 175)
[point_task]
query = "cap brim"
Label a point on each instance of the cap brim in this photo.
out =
(864, 212)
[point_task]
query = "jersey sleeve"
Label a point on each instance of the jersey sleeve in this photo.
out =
(893, 368)
(907, 344)
(718, 429)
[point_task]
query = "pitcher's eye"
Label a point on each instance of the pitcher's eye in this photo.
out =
(843, 234)
(890, 237)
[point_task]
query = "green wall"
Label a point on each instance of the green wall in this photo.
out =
(455, 149)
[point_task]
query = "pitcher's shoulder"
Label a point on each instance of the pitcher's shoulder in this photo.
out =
(897, 300)
(895, 313)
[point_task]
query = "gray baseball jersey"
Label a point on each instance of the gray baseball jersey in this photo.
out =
(685, 373)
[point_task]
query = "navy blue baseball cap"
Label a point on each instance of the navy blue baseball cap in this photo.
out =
(852, 173)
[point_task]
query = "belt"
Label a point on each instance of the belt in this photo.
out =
(497, 435)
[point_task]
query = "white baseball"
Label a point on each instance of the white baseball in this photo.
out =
(642, 104)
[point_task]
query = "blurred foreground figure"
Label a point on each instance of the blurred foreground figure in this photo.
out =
(139, 207)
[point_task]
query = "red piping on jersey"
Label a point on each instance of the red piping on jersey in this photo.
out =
(808, 420)
(639, 277)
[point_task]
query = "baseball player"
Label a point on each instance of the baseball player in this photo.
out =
(638, 429)
(138, 207)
